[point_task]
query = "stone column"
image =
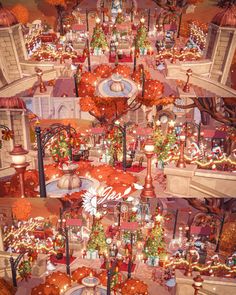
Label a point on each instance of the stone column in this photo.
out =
(26, 135)
(1, 240)
(214, 51)
(15, 52)
(22, 43)
(10, 126)
(229, 59)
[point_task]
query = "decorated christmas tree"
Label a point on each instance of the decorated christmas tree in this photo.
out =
(164, 142)
(99, 39)
(155, 244)
(141, 41)
(97, 239)
(119, 17)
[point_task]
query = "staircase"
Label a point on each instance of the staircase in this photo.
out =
(207, 190)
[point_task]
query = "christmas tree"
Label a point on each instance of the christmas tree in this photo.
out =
(155, 244)
(164, 142)
(60, 148)
(97, 239)
(141, 40)
(119, 18)
(98, 38)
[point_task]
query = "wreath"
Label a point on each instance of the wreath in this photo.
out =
(24, 269)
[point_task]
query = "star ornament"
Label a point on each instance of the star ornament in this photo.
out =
(90, 201)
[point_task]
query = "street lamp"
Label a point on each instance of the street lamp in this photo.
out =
(20, 164)
(123, 132)
(42, 185)
(186, 86)
(181, 161)
(197, 284)
(88, 56)
(63, 230)
(116, 48)
(148, 190)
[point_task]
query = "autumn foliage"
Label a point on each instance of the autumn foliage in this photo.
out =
(103, 71)
(22, 209)
(6, 288)
(59, 279)
(105, 109)
(46, 289)
(57, 2)
(134, 286)
(21, 13)
(82, 272)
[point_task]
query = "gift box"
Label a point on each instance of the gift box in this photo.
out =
(153, 261)
(92, 254)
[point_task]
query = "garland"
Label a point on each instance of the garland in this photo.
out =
(25, 269)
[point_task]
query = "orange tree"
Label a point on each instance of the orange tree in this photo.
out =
(175, 9)
(22, 209)
(60, 6)
(21, 13)
(109, 109)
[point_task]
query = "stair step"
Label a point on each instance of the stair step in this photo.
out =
(207, 190)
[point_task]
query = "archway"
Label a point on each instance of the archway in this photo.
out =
(63, 112)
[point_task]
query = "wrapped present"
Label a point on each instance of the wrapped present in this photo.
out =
(153, 261)
(92, 254)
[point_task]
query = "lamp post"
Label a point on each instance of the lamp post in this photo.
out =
(130, 264)
(42, 185)
(197, 284)
(143, 79)
(14, 263)
(149, 19)
(110, 273)
(123, 132)
(88, 57)
(42, 87)
(148, 190)
(64, 231)
(116, 48)
(186, 86)
(181, 161)
(20, 164)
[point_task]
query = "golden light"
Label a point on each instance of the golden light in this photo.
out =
(172, 123)
(142, 20)
(98, 20)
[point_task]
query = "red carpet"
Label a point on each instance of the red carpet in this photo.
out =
(125, 58)
(123, 267)
(134, 168)
(61, 261)
(78, 59)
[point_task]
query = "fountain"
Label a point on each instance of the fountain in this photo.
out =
(69, 183)
(69, 180)
(117, 86)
